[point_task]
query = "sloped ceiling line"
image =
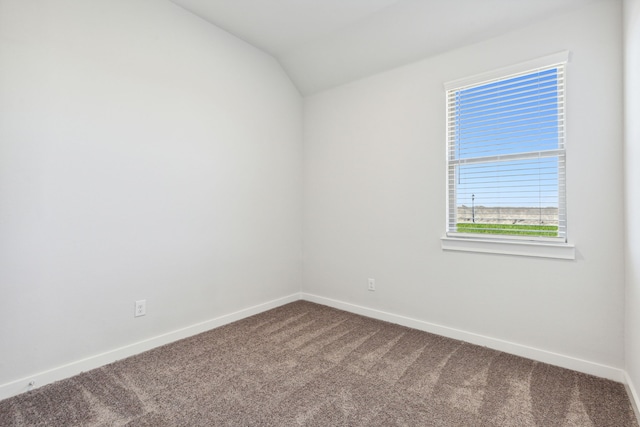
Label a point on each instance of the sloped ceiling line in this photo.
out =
(326, 43)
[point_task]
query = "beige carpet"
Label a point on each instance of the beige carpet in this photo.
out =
(306, 364)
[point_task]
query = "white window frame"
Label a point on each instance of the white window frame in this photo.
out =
(501, 244)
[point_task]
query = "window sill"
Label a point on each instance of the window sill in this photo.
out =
(506, 247)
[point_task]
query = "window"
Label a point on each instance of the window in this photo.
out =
(506, 155)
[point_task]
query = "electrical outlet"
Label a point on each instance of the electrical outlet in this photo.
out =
(141, 308)
(372, 285)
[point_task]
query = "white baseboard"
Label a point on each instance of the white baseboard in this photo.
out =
(74, 368)
(65, 371)
(551, 358)
(633, 395)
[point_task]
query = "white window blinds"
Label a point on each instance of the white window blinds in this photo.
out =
(506, 156)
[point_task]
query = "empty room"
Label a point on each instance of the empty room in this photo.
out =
(331, 213)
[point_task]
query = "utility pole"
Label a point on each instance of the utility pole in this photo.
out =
(473, 208)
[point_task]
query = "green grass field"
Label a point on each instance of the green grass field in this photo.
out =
(509, 229)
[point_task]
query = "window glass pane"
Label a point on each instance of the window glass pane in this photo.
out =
(505, 118)
(515, 193)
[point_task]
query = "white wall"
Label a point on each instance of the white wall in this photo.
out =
(144, 154)
(632, 190)
(375, 198)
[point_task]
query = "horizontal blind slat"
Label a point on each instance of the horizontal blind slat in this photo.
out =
(493, 99)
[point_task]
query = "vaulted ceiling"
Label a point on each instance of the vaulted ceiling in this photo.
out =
(325, 43)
